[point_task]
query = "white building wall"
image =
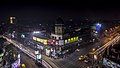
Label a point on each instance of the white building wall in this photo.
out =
(56, 36)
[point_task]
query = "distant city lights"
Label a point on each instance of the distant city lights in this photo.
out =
(11, 20)
(98, 26)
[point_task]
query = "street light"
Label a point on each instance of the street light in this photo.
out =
(18, 56)
(93, 49)
(106, 30)
(98, 26)
(95, 57)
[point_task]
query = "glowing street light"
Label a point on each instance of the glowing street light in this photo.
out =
(98, 26)
(18, 56)
(106, 30)
(93, 49)
(95, 57)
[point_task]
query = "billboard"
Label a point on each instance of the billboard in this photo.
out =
(70, 40)
(38, 56)
(61, 42)
(44, 41)
(47, 52)
(34, 38)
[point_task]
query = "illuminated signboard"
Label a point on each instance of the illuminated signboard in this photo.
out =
(38, 39)
(49, 41)
(61, 42)
(47, 52)
(66, 41)
(57, 42)
(34, 38)
(70, 40)
(18, 56)
(37, 52)
(74, 38)
(39, 56)
(77, 38)
(45, 42)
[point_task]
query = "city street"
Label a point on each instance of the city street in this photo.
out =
(59, 34)
(71, 61)
(28, 51)
(25, 59)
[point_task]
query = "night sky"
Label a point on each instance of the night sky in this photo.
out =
(44, 11)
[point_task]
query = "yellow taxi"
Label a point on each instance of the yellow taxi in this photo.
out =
(23, 66)
(82, 57)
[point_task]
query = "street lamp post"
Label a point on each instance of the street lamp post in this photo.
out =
(94, 57)
(95, 60)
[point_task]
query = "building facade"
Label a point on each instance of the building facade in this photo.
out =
(112, 57)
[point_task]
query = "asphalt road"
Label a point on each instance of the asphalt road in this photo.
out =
(72, 60)
(28, 61)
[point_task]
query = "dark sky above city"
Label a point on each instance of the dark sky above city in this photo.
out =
(49, 10)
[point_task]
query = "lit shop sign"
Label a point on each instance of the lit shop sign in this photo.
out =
(70, 40)
(55, 42)
(34, 38)
(16, 64)
(44, 41)
(36, 52)
(38, 56)
(51, 41)
(61, 42)
(47, 52)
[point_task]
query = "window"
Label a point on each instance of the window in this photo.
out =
(52, 36)
(59, 37)
(59, 29)
(55, 37)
